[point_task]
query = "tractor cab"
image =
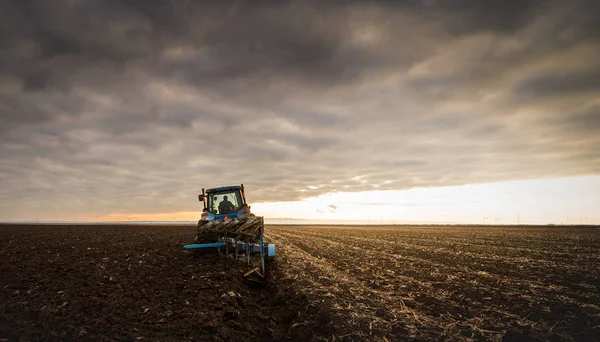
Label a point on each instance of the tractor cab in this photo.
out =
(223, 202)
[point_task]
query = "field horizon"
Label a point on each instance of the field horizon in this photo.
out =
(302, 223)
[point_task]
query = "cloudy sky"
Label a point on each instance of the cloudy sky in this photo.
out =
(126, 109)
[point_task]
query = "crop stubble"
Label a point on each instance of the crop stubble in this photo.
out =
(451, 282)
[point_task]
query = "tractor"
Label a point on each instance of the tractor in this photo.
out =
(227, 224)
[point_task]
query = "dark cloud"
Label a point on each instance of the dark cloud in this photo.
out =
(585, 122)
(468, 16)
(563, 82)
(133, 106)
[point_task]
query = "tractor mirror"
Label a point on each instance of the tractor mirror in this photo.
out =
(201, 198)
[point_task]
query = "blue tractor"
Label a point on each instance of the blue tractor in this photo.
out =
(228, 225)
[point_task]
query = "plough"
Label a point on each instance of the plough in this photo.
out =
(228, 225)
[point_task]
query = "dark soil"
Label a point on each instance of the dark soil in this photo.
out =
(135, 283)
(131, 283)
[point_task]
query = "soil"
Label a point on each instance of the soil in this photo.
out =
(133, 283)
(136, 282)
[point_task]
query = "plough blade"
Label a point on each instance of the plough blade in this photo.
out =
(254, 270)
(242, 239)
(245, 229)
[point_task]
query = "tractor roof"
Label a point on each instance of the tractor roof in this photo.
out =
(224, 188)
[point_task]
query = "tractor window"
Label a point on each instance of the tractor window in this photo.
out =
(227, 202)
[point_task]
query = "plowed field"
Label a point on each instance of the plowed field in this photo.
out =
(327, 283)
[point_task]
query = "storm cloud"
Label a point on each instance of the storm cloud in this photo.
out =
(133, 106)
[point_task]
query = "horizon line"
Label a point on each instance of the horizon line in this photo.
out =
(310, 222)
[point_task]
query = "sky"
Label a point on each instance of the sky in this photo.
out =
(119, 110)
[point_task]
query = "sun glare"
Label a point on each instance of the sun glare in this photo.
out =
(563, 200)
